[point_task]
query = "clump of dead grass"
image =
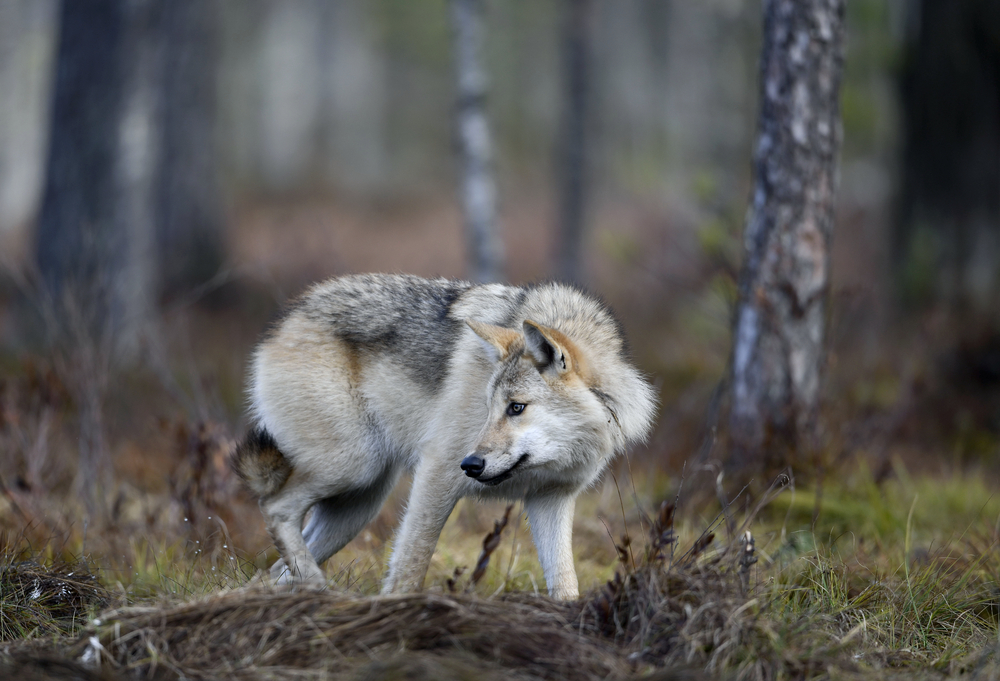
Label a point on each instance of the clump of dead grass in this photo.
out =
(804, 610)
(657, 613)
(37, 600)
(46, 667)
(258, 633)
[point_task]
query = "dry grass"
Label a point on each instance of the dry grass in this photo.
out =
(37, 601)
(686, 618)
(639, 622)
(659, 614)
(907, 600)
(258, 634)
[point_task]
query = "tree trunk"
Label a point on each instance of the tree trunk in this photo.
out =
(130, 168)
(189, 215)
(478, 185)
(131, 207)
(80, 246)
(947, 238)
(90, 290)
(778, 339)
(572, 156)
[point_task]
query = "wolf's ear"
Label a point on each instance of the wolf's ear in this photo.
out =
(498, 341)
(549, 348)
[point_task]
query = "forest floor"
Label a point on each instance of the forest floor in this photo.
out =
(897, 579)
(877, 556)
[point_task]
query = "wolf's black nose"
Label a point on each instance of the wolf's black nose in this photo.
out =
(473, 466)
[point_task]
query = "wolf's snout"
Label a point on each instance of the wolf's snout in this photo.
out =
(473, 466)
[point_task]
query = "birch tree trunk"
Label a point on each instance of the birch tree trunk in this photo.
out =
(778, 351)
(572, 157)
(478, 186)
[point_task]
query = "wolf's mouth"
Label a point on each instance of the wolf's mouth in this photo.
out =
(497, 479)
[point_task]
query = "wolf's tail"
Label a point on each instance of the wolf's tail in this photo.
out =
(260, 464)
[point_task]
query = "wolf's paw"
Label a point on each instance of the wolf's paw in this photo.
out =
(280, 574)
(308, 576)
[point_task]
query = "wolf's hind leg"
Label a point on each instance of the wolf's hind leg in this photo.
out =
(338, 519)
(283, 514)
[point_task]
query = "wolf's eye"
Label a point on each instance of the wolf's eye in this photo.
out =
(515, 408)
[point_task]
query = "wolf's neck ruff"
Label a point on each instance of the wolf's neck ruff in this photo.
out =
(369, 376)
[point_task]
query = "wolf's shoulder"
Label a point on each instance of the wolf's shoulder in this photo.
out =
(417, 321)
(384, 301)
(377, 294)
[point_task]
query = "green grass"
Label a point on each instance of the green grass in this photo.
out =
(900, 574)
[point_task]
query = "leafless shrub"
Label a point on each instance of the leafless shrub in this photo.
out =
(32, 405)
(661, 533)
(203, 480)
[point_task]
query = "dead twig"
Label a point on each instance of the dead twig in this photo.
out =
(490, 544)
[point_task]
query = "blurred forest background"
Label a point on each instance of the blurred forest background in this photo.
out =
(241, 149)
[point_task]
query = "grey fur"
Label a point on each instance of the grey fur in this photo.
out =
(368, 376)
(403, 315)
(337, 520)
(516, 302)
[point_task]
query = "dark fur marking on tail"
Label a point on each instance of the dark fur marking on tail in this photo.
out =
(260, 464)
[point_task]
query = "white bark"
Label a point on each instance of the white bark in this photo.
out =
(479, 196)
(778, 348)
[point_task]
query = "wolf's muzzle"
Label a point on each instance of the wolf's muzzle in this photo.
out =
(473, 466)
(497, 479)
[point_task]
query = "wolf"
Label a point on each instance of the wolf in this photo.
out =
(489, 391)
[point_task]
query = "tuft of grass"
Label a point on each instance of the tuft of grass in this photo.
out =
(152, 568)
(47, 600)
(934, 614)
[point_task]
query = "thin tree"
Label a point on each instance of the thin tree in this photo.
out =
(778, 339)
(478, 187)
(90, 286)
(946, 242)
(115, 183)
(188, 209)
(572, 149)
(80, 248)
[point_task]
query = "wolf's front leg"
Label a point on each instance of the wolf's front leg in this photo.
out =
(432, 498)
(551, 519)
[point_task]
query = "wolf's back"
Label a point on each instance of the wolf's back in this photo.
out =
(260, 464)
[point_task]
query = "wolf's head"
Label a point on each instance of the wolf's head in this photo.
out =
(558, 407)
